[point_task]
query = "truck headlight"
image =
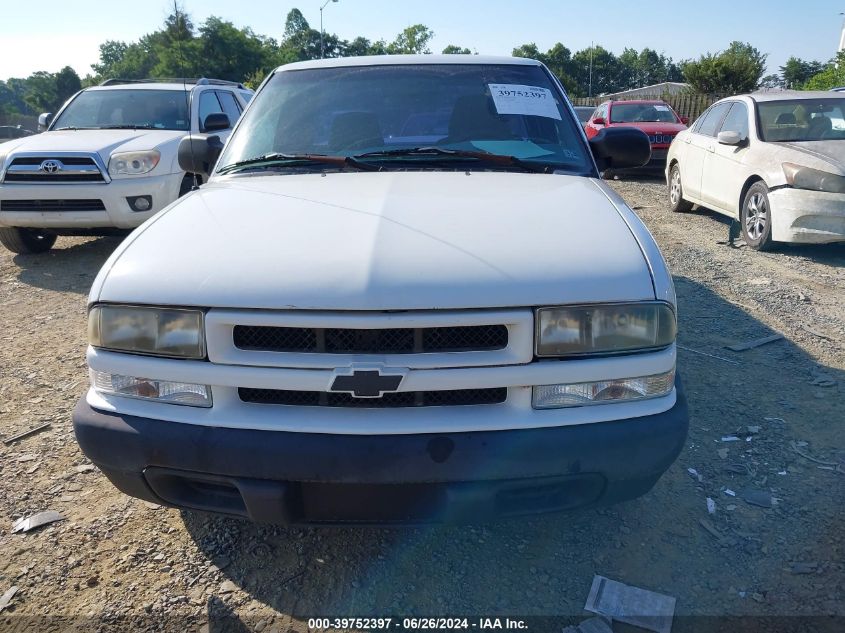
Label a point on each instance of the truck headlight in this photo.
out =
(133, 163)
(604, 329)
(813, 179)
(172, 332)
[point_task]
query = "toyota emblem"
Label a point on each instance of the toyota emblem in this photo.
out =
(51, 166)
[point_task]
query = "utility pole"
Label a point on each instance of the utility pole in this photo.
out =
(590, 93)
(322, 49)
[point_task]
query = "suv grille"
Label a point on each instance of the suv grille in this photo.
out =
(52, 205)
(373, 341)
(451, 398)
(65, 169)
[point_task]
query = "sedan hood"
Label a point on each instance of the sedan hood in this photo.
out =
(104, 142)
(831, 152)
(382, 241)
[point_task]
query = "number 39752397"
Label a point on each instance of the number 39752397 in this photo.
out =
(522, 93)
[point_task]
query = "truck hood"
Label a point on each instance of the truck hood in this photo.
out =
(819, 152)
(103, 142)
(382, 241)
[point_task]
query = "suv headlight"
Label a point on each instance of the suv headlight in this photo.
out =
(133, 163)
(813, 179)
(604, 329)
(172, 332)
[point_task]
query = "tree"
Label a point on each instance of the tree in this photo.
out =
(412, 41)
(456, 50)
(735, 70)
(832, 76)
(796, 71)
(67, 85)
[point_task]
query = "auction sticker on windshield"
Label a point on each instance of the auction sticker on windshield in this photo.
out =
(519, 99)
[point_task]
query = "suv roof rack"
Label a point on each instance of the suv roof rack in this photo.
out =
(200, 81)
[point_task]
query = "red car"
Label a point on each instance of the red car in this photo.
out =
(656, 118)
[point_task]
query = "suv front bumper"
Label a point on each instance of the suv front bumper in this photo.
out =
(314, 478)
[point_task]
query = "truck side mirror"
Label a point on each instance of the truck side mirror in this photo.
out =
(44, 120)
(199, 152)
(215, 122)
(620, 148)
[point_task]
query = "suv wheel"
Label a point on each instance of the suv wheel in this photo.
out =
(676, 192)
(26, 241)
(756, 218)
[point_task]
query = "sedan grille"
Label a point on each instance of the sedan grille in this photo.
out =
(399, 399)
(371, 341)
(52, 205)
(661, 139)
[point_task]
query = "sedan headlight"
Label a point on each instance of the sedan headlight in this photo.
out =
(813, 179)
(172, 332)
(604, 329)
(133, 163)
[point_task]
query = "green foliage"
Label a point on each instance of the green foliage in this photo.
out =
(412, 41)
(831, 76)
(735, 70)
(456, 50)
(796, 72)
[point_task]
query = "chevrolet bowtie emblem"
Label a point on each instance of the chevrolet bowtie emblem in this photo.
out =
(366, 383)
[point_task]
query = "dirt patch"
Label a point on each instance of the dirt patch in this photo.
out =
(119, 560)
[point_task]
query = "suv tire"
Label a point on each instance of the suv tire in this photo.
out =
(26, 241)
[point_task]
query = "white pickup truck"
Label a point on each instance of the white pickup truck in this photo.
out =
(403, 295)
(108, 159)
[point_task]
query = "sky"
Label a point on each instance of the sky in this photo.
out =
(69, 33)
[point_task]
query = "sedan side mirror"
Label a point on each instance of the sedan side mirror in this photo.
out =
(199, 152)
(729, 138)
(598, 121)
(215, 122)
(620, 148)
(44, 121)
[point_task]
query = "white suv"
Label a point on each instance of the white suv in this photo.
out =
(403, 295)
(108, 159)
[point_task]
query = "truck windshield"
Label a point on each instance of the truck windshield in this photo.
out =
(379, 113)
(126, 108)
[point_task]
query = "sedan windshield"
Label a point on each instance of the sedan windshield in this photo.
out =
(405, 115)
(802, 120)
(642, 113)
(126, 108)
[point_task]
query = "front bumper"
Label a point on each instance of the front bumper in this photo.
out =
(807, 217)
(319, 478)
(164, 189)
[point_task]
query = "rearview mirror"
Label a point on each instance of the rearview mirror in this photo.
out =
(216, 121)
(598, 121)
(199, 152)
(729, 138)
(44, 120)
(620, 148)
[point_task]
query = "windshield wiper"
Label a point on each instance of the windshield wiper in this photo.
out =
(484, 157)
(278, 159)
(142, 126)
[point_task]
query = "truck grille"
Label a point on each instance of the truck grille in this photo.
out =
(371, 341)
(52, 205)
(55, 169)
(450, 398)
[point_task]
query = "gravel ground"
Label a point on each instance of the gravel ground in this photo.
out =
(118, 561)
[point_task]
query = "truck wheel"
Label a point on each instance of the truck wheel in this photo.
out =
(756, 218)
(26, 241)
(676, 192)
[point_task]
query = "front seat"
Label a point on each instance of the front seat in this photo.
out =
(786, 118)
(819, 127)
(474, 118)
(355, 131)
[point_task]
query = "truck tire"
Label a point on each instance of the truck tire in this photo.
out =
(26, 241)
(756, 218)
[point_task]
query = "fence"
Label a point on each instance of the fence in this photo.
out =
(688, 104)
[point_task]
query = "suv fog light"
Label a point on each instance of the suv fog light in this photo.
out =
(140, 203)
(148, 389)
(603, 391)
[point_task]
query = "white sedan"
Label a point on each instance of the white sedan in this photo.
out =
(775, 162)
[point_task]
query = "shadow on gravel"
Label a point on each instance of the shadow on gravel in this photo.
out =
(70, 269)
(773, 399)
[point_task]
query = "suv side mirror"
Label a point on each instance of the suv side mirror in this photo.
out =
(598, 121)
(729, 137)
(44, 120)
(620, 148)
(199, 152)
(215, 122)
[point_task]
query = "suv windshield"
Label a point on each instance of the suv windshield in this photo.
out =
(642, 113)
(379, 111)
(802, 120)
(126, 108)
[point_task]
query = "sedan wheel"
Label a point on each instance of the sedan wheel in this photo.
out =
(676, 191)
(757, 218)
